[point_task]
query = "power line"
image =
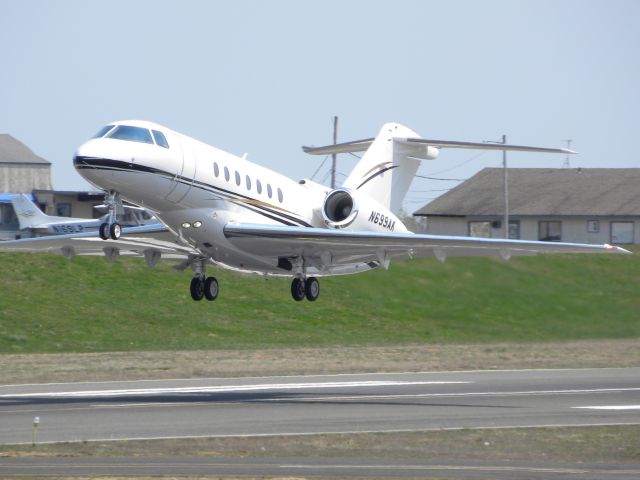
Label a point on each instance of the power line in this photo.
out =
(478, 155)
(443, 179)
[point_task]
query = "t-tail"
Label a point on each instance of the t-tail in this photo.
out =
(387, 167)
(392, 158)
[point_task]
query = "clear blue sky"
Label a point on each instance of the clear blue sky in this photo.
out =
(265, 77)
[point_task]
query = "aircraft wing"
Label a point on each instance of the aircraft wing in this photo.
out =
(150, 241)
(336, 247)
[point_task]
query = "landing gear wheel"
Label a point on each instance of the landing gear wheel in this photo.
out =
(211, 288)
(115, 230)
(104, 231)
(297, 289)
(197, 288)
(312, 289)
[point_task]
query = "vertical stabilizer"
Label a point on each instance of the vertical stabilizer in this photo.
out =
(28, 213)
(385, 172)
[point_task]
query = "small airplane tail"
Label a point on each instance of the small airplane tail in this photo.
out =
(28, 213)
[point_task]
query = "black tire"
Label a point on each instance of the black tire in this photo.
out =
(211, 288)
(104, 231)
(115, 230)
(297, 289)
(312, 289)
(197, 288)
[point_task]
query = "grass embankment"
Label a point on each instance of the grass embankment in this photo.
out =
(560, 444)
(50, 304)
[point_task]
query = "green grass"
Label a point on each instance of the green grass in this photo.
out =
(50, 304)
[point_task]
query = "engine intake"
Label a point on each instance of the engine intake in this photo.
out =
(340, 208)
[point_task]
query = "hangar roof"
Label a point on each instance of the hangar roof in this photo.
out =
(543, 191)
(14, 151)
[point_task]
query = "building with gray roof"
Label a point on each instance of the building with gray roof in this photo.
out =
(591, 205)
(21, 170)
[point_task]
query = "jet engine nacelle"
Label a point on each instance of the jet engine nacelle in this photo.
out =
(344, 208)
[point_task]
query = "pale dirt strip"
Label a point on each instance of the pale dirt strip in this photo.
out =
(49, 368)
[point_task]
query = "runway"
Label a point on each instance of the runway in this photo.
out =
(319, 404)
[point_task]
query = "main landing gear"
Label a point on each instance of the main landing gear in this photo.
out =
(111, 228)
(201, 285)
(301, 288)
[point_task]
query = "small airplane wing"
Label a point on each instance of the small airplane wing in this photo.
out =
(343, 246)
(151, 241)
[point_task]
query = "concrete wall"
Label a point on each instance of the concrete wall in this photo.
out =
(23, 178)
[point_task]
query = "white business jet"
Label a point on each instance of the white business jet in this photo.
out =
(31, 218)
(222, 209)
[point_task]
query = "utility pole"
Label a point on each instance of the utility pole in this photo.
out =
(506, 189)
(566, 163)
(333, 155)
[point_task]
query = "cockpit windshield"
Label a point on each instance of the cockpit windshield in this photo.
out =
(133, 134)
(103, 131)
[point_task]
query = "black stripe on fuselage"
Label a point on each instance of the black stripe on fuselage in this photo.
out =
(96, 163)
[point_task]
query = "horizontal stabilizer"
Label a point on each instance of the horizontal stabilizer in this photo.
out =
(363, 145)
(348, 147)
(480, 146)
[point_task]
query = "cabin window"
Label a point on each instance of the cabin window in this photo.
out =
(160, 139)
(237, 179)
(269, 190)
(226, 174)
(248, 183)
(280, 197)
(258, 186)
(216, 170)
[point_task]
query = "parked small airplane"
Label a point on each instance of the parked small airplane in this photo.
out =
(31, 218)
(222, 209)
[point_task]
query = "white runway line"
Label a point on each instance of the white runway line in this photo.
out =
(611, 407)
(221, 389)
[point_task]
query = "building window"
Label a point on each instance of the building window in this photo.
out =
(550, 231)
(514, 229)
(480, 229)
(63, 209)
(593, 226)
(622, 232)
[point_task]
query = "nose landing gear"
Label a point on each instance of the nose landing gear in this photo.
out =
(111, 228)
